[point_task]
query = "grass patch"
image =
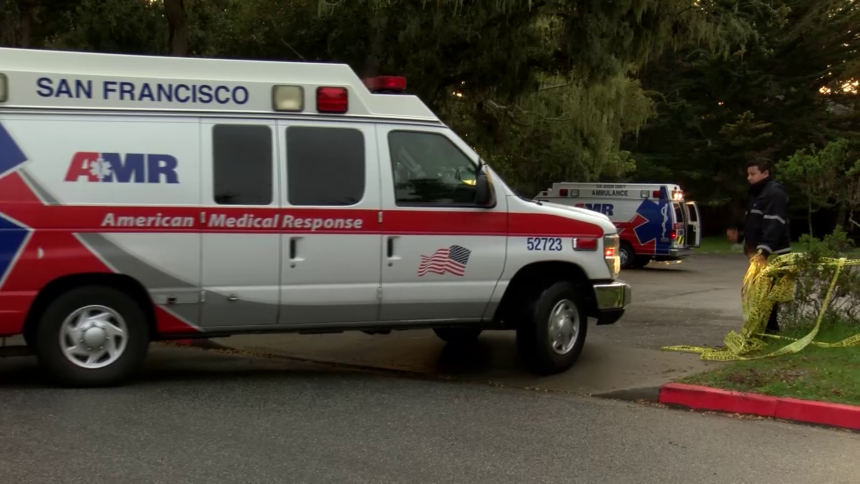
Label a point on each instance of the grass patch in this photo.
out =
(824, 374)
(720, 245)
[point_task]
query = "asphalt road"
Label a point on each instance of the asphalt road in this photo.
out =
(196, 417)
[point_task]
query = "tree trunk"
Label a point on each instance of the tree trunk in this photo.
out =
(177, 21)
(7, 30)
(842, 217)
(25, 24)
(377, 22)
(810, 219)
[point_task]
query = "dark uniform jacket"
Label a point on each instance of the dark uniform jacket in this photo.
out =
(767, 219)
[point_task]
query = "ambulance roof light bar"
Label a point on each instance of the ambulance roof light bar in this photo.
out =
(288, 98)
(385, 84)
(332, 100)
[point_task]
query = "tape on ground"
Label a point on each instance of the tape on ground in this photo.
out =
(764, 285)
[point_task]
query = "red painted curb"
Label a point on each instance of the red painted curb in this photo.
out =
(808, 411)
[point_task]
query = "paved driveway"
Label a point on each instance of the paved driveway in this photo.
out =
(696, 302)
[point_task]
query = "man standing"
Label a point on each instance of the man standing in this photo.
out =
(767, 227)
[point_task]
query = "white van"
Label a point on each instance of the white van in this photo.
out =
(654, 221)
(148, 198)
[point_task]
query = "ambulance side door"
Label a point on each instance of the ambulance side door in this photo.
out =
(443, 254)
(330, 236)
(240, 243)
(694, 225)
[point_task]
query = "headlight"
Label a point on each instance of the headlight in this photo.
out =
(611, 245)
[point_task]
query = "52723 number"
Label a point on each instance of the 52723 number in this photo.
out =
(543, 243)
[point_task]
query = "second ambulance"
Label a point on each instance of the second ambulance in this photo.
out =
(147, 198)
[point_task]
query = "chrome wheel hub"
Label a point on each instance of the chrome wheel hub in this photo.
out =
(93, 337)
(563, 326)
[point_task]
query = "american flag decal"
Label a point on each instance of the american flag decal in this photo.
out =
(452, 260)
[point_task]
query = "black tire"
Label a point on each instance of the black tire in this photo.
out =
(533, 332)
(627, 255)
(640, 261)
(51, 356)
(458, 335)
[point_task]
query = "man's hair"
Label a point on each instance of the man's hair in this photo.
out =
(763, 165)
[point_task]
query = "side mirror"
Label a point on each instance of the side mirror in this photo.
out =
(483, 191)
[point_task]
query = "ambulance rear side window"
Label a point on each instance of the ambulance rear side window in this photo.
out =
(325, 166)
(242, 164)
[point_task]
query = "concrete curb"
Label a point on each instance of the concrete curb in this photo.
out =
(806, 411)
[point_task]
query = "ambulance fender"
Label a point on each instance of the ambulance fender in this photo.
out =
(533, 278)
(63, 284)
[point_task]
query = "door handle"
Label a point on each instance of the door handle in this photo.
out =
(292, 248)
(390, 247)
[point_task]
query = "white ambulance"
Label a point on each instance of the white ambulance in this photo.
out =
(148, 198)
(654, 221)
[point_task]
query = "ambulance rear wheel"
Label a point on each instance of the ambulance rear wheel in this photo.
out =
(552, 329)
(458, 335)
(627, 255)
(92, 336)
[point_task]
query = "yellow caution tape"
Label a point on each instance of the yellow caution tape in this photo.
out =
(764, 285)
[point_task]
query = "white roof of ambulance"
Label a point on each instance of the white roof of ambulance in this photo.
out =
(24, 68)
(617, 186)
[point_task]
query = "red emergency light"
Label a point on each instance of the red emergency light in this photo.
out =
(562, 192)
(332, 100)
(386, 84)
(655, 194)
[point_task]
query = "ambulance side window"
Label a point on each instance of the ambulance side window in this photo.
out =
(325, 166)
(428, 169)
(242, 164)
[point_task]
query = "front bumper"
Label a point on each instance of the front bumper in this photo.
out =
(610, 301)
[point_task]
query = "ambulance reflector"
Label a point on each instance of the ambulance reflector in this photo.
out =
(332, 100)
(288, 98)
(3, 88)
(584, 243)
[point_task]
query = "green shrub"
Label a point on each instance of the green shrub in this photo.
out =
(814, 281)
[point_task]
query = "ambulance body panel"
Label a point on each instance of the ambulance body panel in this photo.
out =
(297, 201)
(654, 221)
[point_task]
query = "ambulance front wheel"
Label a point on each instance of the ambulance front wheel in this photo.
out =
(92, 336)
(552, 329)
(627, 255)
